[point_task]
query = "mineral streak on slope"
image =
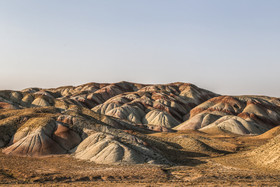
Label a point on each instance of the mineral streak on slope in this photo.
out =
(74, 133)
(236, 114)
(168, 104)
(161, 105)
(42, 136)
(111, 123)
(103, 148)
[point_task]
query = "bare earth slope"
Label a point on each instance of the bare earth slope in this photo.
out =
(176, 129)
(267, 155)
(235, 114)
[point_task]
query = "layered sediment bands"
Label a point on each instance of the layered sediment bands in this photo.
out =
(160, 105)
(112, 123)
(42, 136)
(103, 148)
(66, 137)
(36, 144)
(4, 105)
(163, 119)
(235, 114)
(236, 125)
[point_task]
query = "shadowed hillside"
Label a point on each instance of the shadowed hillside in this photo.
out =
(123, 124)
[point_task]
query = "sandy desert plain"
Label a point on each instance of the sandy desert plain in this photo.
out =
(129, 134)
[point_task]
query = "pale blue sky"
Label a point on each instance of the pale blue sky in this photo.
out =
(230, 47)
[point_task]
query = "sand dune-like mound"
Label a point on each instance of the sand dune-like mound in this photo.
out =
(267, 155)
(236, 125)
(112, 123)
(199, 121)
(104, 148)
(270, 133)
(36, 144)
(174, 101)
(193, 144)
(156, 117)
(89, 136)
(128, 112)
(40, 102)
(238, 114)
(123, 100)
(42, 136)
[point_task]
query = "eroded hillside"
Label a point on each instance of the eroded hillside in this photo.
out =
(123, 124)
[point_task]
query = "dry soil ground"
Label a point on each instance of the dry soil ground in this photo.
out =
(229, 168)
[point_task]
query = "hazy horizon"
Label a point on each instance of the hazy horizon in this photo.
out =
(228, 47)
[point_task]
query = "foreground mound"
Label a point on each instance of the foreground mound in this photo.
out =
(112, 123)
(103, 148)
(81, 133)
(42, 136)
(267, 155)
